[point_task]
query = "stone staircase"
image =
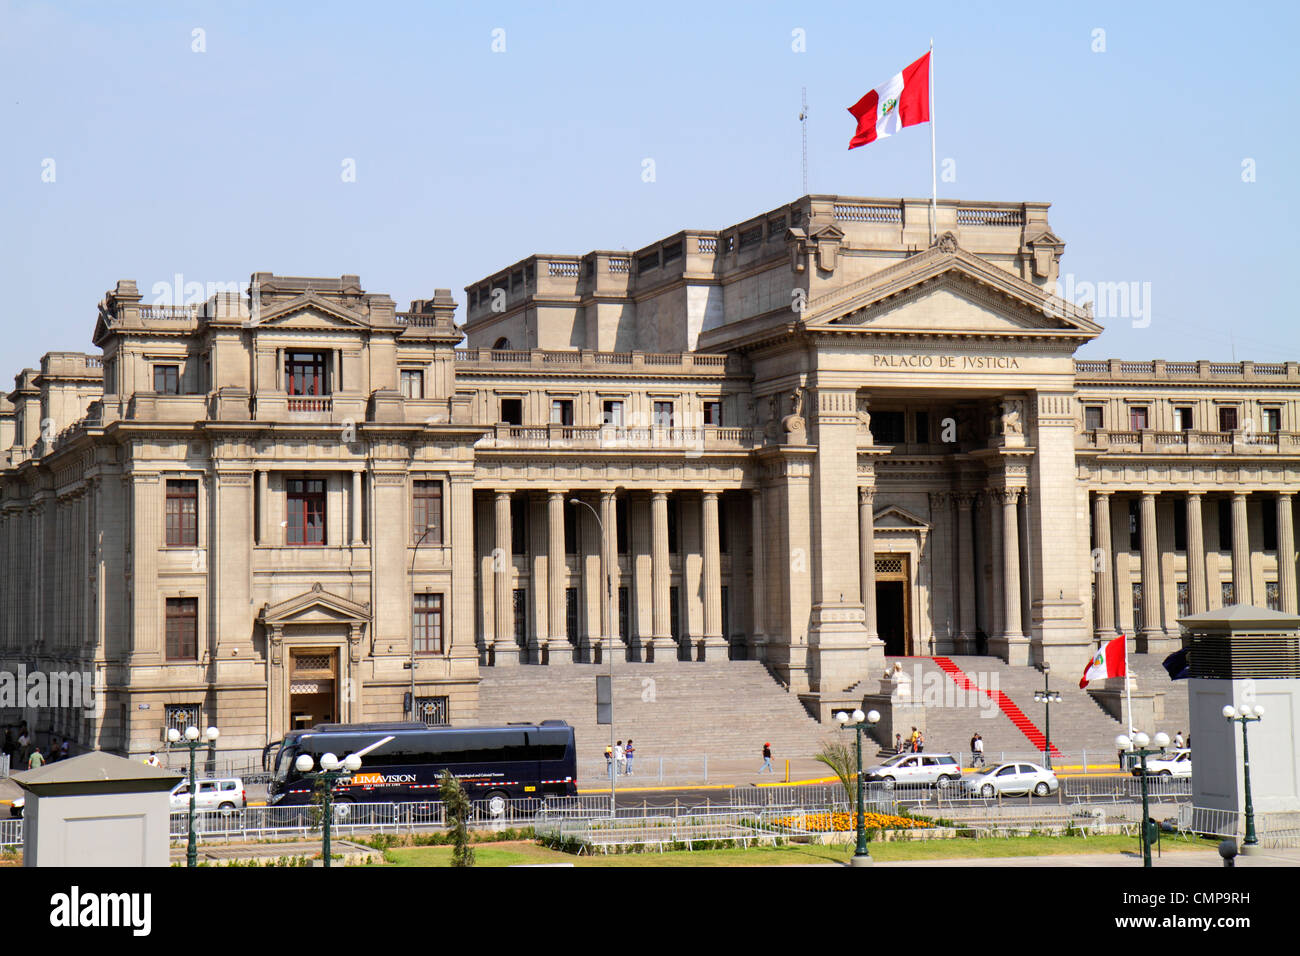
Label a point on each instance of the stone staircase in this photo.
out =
(725, 709)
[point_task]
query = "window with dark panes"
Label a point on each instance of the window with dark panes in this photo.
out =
(713, 413)
(182, 513)
(305, 373)
(1272, 419)
(1137, 418)
(1183, 418)
(624, 612)
(167, 379)
(562, 411)
(521, 614)
(427, 623)
(512, 411)
(305, 521)
(426, 512)
(612, 413)
(433, 711)
(889, 428)
(675, 614)
(1227, 419)
(571, 614)
(1227, 591)
(663, 415)
(182, 629)
(1093, 418)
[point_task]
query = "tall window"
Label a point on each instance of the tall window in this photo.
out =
(1139, 608)
(713, 413)
(521, 615)
(412, 383)
(1137, 418)
(181, 717)
(889, 428)
(182, 629)
(1183, 418)
(624, 612)
(1227, 419)
(433, 711)
(427, 623)
(1272, 419)
(562, 411)
(1184, 601)
(571, 614)
(663, 415)
(1092, 417)
(306, 511)
(167, 379)
(426, 512)
(612, 413)
(304, 373)
(182, 514)
(1272, 597)
(675, 618)
(512, 411)
(1229, 596)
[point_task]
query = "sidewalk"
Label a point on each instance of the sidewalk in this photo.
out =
(1179, 858)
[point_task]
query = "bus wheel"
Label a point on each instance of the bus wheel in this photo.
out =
(496, 803)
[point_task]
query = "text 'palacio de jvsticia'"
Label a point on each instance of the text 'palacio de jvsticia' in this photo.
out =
(814, 438)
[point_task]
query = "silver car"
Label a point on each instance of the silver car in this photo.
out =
(939, 770)
(1012, 779)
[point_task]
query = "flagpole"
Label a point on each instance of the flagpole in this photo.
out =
(1128, 687)
(934, 178)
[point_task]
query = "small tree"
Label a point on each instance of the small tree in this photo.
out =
(842, 759)
(316, 811)
(457, 808)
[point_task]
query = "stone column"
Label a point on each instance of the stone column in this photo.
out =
(1152, 630)
(661, 640)
(559, 650)
(965, 574)
(1017, 645)
(1286, 584)
(867, 556)
(265, 535)
(997, 622)
(609, 573)
(1196, 596)
(356, 509)
(1241, 590)
(1104, 570)
(1168, 588)
(505, 650)
(715, 648)
(460, 529)
(758, 543)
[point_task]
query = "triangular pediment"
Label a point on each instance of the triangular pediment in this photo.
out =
(315, 606)
(894, 518)
(947, 291)
(310, 311)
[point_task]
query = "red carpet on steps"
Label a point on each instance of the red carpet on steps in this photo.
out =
(1008, 706)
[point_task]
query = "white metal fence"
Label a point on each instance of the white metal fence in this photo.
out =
(11, 833)
(1273, 830)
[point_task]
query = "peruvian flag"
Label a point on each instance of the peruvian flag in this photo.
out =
(903, 101)
(1111, 660)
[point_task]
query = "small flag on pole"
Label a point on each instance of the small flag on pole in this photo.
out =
(1111, 660)
(902, 101)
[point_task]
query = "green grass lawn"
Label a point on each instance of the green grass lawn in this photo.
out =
(509, 854)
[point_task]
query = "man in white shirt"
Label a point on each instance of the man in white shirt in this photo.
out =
(620, 758)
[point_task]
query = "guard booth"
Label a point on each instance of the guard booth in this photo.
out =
(96, 810)
(1244, 655)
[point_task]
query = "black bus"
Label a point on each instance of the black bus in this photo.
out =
(403, 761)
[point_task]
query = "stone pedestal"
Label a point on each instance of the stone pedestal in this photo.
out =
(1148, 705)
(899, 710)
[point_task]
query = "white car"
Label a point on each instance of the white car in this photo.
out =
(16, 808)
(224, 794)
(1012, 779)
(940, 770)
(1177, 764)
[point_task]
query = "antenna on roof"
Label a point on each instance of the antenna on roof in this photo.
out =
(803, 124)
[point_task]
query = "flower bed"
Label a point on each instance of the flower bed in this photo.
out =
(843, 822)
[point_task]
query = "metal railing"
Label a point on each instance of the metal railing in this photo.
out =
(11, 833)
(1274, 830)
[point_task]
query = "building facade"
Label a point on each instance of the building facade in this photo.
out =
(814, 438)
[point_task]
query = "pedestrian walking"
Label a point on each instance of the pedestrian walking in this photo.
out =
(1178, 741)
(54, 749)
(767, 759)
(35, 760)
(64, 750)
(977, 750)
(153, 760)
(920, 743)
(9, 742)
(911, 740)
(898, 743)
(24, 749)
(620, 759)
(609, 758)
(628, 753)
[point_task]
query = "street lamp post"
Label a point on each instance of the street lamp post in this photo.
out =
(861, 855)
(1047, 697)
(193, 742)
(1138, 747)
(1246, 714)
(411, 576)
(605, 622)
(331, 770)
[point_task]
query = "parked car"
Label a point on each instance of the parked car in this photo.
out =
(1177, 764)
(1012, 779)
(225, 794)
(940, 770)
(16, 808)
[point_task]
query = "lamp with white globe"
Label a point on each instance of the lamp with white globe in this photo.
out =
(1139, 745)
(192, 739)
(859, 720)
(1246, 714)
(332, 769)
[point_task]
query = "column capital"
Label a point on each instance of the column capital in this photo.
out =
(710, 494)
(866, 494)
(1240, 495)
(1195, 494)
(1149, 495)
(1102, 492)
(939, 498)
(1007, 496)
(964, 499)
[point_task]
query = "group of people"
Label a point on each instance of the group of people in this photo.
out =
(914, 744)
(619, 758)
(24, 752)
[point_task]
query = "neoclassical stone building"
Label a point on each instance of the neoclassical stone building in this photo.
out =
(814, 438)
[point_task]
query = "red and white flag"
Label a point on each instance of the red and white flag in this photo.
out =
(1111, 660)
(903, 101)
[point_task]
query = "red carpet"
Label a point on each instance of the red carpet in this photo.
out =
(1007, 705)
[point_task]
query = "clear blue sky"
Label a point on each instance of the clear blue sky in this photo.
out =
(218, 164)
